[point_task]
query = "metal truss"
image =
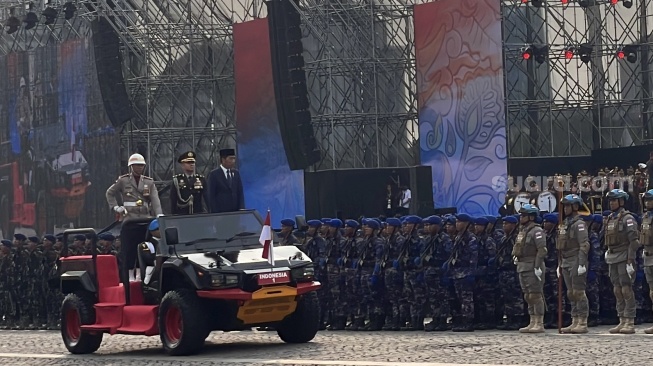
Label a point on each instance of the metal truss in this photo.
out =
(565, 107)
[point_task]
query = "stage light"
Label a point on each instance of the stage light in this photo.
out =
(614, 2)
(628, 4)
(564, 2)
(527, 53)
(50, 15)
(69, 10)
(537, 3)
(585, 52)
(569, 53)
(629, 53)
(12, 24)
(30, 20)
(586, 3)
(540, 54)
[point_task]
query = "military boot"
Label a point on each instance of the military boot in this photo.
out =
(389, 323)
(581, 326)
(465, 325)
(550, 321)
(648, 330)
(338, 323)
(538, 325)
(574, 323)
(430, 326)
(617, 329)
(374, 323)
(593, 321)
(357, 324)
(629, 326)
(530, 325)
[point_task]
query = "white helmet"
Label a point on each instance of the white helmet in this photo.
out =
(136, 159)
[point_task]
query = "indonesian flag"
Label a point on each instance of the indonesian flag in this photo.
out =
(266, 240)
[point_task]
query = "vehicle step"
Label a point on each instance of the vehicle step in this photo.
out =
(140, 319)
(108, 315)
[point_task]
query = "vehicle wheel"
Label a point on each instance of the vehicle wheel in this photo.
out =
(182, 323)
(77, 309)
(302, 325)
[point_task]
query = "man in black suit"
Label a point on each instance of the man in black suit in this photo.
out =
(225, 193)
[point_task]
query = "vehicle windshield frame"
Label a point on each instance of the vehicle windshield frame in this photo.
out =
(221, 226)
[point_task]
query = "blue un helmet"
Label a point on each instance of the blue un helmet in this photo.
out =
(648, 195)
(529, 209)
(617, 194)
(570, 199)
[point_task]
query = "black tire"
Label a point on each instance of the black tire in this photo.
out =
(77, 309)
(182, 323)
(302, 325)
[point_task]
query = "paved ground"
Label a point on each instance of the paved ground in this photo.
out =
(346, 348)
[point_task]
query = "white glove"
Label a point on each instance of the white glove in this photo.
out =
(514, 260)
(159, 215)
(559, 272)
(630, 269)
(606, 255)
(119, 209)
(581, 270)
(538, 273)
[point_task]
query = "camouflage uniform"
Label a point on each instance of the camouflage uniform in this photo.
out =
(594, 260)
(607, 309)
(509, 298)
(53, 296)
(485, 287)
(337, 319)
(646, 239)
(393, 279)
(461, 268)
(370, 280)
(437, 250)
(574, 245)
(638, 287)
(315, 247)
(529, 253)
(33, 276)
(349, 255)
(551, 281)
(7, 309)
(414, 289)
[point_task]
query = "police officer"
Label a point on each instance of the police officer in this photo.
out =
(646, 239)
(622, 241)
(137, 192)
(187, 193)
(529, 253)
(573, 243)
(286, 234)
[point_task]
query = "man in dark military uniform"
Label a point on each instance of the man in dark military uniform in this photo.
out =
(187, 193)
(551, 272)
(332, 270)
(435, 251)
(594, 266)
(485, 287)
(348, 254)
(53, 297)
(286, 235)
(315, 247)
(7, 308)
(370, 256)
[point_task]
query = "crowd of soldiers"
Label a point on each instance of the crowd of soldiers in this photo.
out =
(475, 273)
(28, 299)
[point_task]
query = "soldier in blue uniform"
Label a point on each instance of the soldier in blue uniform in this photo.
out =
(594, 267)
(461, 269)
(436, 250)
(348, 255)
(370, 250)
(286, 233)
(333, 246)
(315, 248)
(550, 221)
(414, 290)
(509, 299)
(393, 278)
(485, 287)
(608, 306)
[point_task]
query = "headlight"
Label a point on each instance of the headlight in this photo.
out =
(223, 280)
(303, 274)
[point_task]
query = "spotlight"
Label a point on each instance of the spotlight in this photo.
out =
(12, 24)
(569, 53)
(540, 54)
(585, 52)
(614, 2)
(629, 53)
(30, 20)
(564, 2)
(586, 3)
(69, 10)
(537, 3)
(628, 3)
(50, 15)
(527, 53)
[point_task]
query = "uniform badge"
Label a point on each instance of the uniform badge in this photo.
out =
(198, 184)
(646, 226)
(630, 222)
(146, 190)
(538, 235)
(520, 237)
(581, 227)
(562, 231)
(191, 155)
(611, 226)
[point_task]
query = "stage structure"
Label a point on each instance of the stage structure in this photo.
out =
(577, 75)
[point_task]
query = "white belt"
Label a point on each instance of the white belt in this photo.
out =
(132, 204)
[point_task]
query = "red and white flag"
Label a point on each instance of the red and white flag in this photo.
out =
(266, 240)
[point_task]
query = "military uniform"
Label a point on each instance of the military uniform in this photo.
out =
(187, 193)
(529, 253)
(393, 278)
(621, 239)
(573, 243)
(509, 299)
(139, 199)
(436, 251)
(592, 289)
(646, 239)
(370, 251)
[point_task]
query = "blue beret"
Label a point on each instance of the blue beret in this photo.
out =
(607, 213)
(352, 223)
(378, 222)
(325, 220)
(403, 218)
(510, 219)
(80, 237)
(481, 221)
(337, 223)
(597, 218)
(288, 222)
(491, 219)
(20, 237)
(451, 219)
(552, 218)
(33, 239)
(391, 221)
(154, 225)
(372, 223)
(106, 236)
(7, 243)
(50, 237)
(412, 219)
(464, 217)
(314, 223)
(538, 219)
(432, 220)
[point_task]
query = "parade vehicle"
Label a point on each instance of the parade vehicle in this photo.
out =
(209, 274)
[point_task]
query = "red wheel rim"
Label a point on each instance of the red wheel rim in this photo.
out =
(73, 330)
(174, 325)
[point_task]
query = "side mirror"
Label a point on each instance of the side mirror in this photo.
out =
(172, 236)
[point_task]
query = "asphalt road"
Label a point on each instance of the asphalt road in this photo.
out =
(346, 348)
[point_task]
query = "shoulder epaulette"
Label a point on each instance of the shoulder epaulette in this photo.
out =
(199, 175)
(146, 177)
(178, 175)
(124, 176)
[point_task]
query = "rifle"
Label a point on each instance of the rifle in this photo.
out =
(427, 254)
(561, 213)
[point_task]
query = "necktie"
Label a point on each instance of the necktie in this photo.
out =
(229, 177)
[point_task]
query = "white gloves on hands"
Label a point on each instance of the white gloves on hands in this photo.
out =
(630, 269)
(159, 215)
(538, 273)
(514, 260)
(581, 270)
(559, 272)
(119, 209)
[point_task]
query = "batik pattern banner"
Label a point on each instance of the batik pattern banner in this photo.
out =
(461, 102)
(268, 182)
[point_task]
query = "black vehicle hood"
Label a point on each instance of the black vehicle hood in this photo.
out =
(251, 259)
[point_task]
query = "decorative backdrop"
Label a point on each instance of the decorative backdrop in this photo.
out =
(268, 182)
(461, 102)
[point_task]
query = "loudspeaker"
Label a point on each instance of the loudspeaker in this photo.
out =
(290, 89)
(108, 63)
